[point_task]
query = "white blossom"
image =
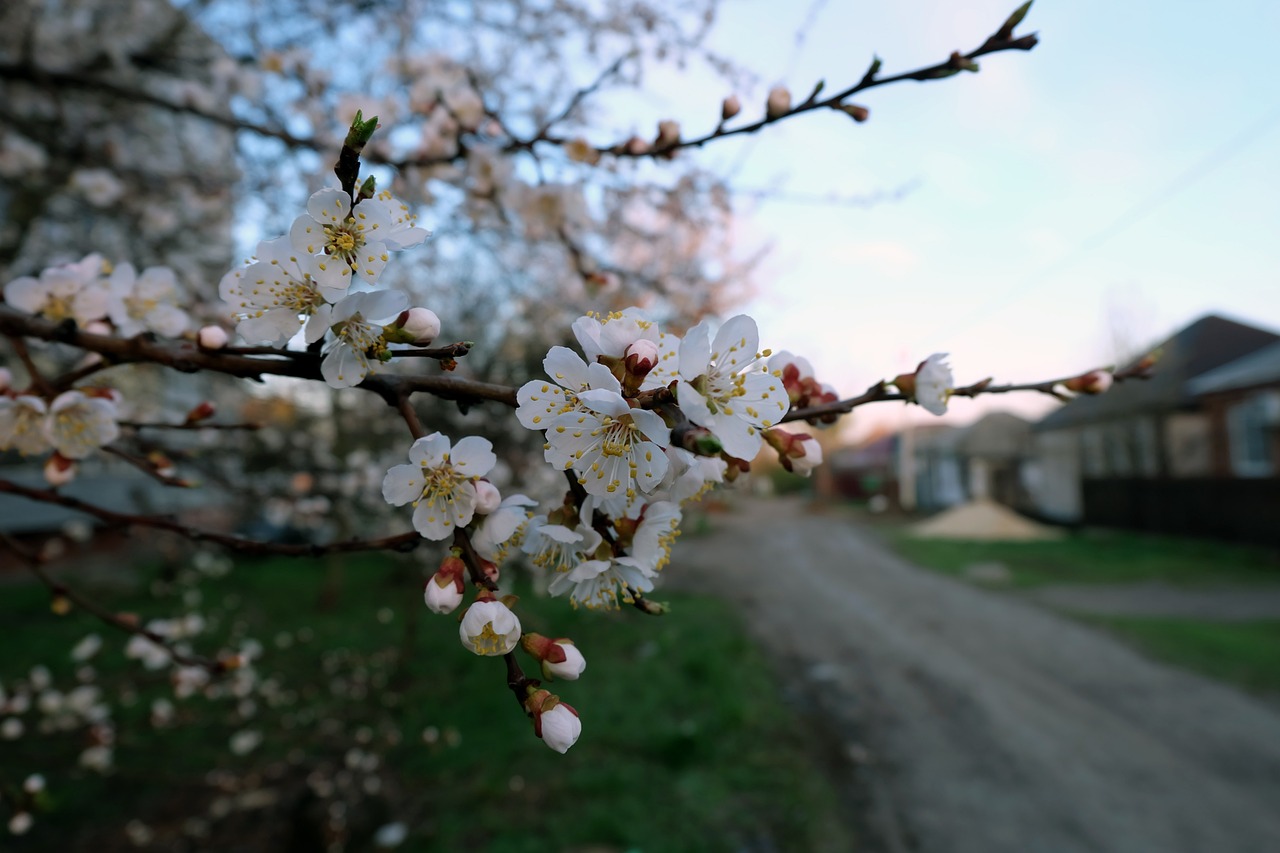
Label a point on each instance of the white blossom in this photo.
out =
(79, 424)
(655, 534)
(86, 648)
(438, 482)
(600, 583)
(489, 628)
(22, 424)
(355, 238)
(145, 303)
(934, 383)
(273, 296)
(721, 389)
(501, 527)
(614, 449)
(357, 344)
(557, 548)
(71, 291)
(99, 186)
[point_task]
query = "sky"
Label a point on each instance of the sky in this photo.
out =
(1086, 198)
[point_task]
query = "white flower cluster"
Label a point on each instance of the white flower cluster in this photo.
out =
(93, 291)
(306, 282)
(73, 425)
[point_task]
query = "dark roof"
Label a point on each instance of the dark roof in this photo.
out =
(1259, 368)
(1208, 343)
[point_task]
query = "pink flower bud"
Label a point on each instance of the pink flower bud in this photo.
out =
(637, 147)
(422, 323)
(212, 337)
(6, 379)
(810, 455)
(778, 102)
(201, 412)
(1093, 382)
(641, 357)
(668, 134)
(730, 108)
(59, 470)
(488, 498)
(559, 658)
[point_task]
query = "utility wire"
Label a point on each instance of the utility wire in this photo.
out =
(1139, 211)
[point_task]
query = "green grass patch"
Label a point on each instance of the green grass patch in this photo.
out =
(685, 744)
(1244, 653)
(1101, 556)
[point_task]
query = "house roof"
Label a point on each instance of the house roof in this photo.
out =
(1204, 345)
(1257, 368)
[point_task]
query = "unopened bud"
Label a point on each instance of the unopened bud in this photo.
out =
(668, 134)
(488, 498)
(212, 337)
(730, 108)
(855, 112)
(59, 470)
(554, 721)
(6, 379)
(444, 590)
(421, 325)
(559, 658)
(778, 103)
(701, 442)
(202, 412)
(641, 357)
(1093, 382)
(653, 608)
(636, 147)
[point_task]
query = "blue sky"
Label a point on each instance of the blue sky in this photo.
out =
(1122, 176)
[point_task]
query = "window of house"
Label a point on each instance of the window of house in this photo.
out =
(1251, 426)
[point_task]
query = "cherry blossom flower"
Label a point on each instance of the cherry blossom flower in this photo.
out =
(404, 232)
(655, 534)
(558, 658)
(438, 482)
(489, 628)
(78, 424)
(22, 424)
(145, 303)
(358, 345)
(70, 291)
(614, 449)
(557, 548)
(353, 237)
(934, 382)
(600, 583)
(540, 402)
(719, 388)
(443, 593)
(501, 527)
(283, 288)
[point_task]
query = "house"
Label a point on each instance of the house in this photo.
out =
(1146, 454)
(1242, 401)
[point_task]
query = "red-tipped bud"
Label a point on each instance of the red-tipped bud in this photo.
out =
(559, 658)
(798, 452)
(202, 412)
(445, 589)
(641, 357)
(554, 721)
(855, 112)
(59, 470)
(730, 108)
(1093, 382)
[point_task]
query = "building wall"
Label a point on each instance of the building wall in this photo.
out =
(1053, 475)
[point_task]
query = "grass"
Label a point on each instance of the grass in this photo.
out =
(1245, 653)
(1102, 556)
(685, 745)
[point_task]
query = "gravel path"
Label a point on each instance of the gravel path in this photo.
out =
(969, 721)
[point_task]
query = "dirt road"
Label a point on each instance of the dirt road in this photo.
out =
(970, 721)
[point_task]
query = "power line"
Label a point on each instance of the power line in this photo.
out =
(1139, 211)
